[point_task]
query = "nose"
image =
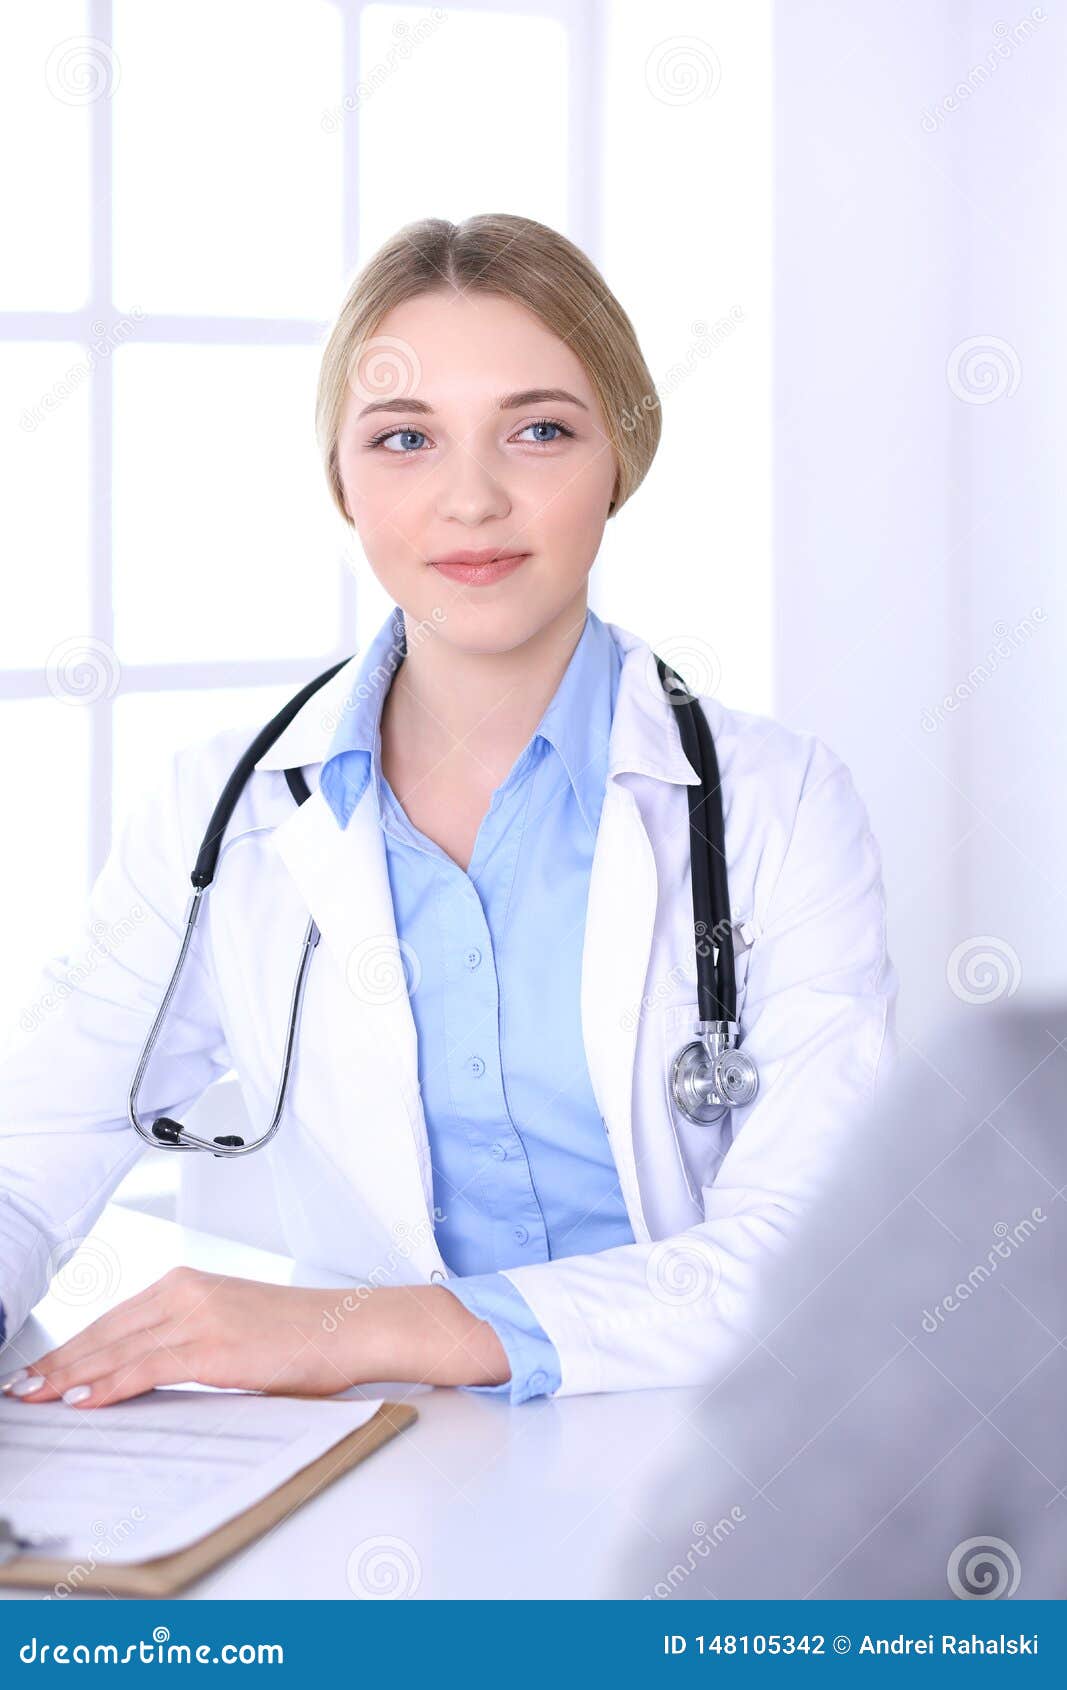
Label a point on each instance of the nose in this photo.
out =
(470, 489)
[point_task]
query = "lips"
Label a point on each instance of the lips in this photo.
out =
(486, 554)
(479, 569)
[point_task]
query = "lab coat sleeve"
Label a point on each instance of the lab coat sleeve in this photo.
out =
(818, 1020)
(65, 1140)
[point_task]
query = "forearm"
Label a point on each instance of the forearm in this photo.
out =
(218, 1329)
(424, 1333)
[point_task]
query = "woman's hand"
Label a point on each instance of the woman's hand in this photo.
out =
(215, 1329)
(205, 1327)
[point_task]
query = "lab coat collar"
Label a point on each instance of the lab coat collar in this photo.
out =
(644, 736)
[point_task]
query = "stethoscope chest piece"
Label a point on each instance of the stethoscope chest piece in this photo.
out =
(710, 1075)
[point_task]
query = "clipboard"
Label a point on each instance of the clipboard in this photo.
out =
(168, 1574)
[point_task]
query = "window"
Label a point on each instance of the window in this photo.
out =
(196, 185)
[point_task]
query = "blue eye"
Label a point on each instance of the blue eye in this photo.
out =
(399, 434)
(406, 435)
(546, 422)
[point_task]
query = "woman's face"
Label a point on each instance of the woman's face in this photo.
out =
(469, 426)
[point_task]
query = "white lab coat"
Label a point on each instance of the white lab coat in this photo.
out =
(351, 1160)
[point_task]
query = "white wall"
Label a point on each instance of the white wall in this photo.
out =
(1011, 759)
(684, 240)
(911, 513)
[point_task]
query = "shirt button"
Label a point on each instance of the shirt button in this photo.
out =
(499, 1151)
(521, 1235)
(477, 1065)
(474, 957)
(538, 1380)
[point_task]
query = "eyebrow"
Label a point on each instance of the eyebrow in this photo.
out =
(506, 402)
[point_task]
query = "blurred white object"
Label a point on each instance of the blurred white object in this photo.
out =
(896, 1430)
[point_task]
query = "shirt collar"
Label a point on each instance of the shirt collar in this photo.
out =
(576, 722)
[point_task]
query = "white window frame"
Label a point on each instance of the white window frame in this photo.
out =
(100, 317)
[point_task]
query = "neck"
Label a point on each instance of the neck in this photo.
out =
(473, 712)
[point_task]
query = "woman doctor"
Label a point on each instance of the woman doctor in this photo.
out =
(496, 851)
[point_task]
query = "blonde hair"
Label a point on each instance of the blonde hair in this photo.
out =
(518, 259)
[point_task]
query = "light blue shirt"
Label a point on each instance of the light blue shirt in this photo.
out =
(522, 1167)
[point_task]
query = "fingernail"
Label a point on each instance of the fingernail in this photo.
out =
(10, 1379)
(77, 1393)
(26, 1386)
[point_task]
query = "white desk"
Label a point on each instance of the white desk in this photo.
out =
(494, 1501)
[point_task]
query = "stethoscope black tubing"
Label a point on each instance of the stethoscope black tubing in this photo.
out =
(714, 821)
(716, 983)
(207, 858)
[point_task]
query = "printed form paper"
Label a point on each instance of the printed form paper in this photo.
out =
(143, 1478)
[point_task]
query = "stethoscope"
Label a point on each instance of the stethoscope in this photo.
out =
(707, 1077)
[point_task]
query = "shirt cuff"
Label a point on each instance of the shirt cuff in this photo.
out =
(534, 1359)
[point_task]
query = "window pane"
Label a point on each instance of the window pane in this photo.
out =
(226, 541)
(51, 72)
(43, 499)
(453, 125)
(43, 860)
(148, 726)
(227, 182)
